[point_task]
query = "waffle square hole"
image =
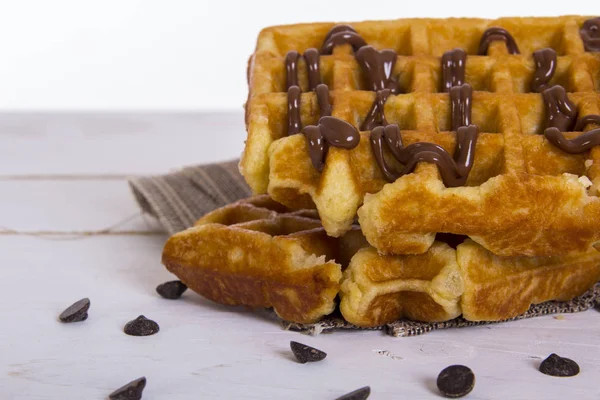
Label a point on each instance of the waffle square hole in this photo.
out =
(278, 75)
(285, 225)
(522, 70)
(389, 35)
(478, 73)
(241, 214)
(401, 110)
(542, 158)
(532, 114)
(484, 112)
(454, 34)
(278, 117)
(282, 39)
(532, 35)
(593, 64)
(403, 72)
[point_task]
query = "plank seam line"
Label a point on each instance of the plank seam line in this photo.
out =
(66, 177)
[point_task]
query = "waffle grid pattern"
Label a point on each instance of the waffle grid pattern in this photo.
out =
(258, 253)
(510, 119)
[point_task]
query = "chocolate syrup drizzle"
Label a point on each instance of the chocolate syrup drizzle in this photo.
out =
(584, 121)
(460, 105)
(454, 171)
(495, 33)
(561, 113)
(311, 56)
(577, 145)
(561, 116)
(545, 66)
(590, 34)
(378, 66)
(376, 117)
(329, 131)
(342, 34)
(453, 68)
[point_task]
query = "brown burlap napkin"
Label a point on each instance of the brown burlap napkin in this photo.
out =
(178, 199)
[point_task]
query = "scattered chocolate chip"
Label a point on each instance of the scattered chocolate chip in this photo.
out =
(358, 394)
(306, 353)
(456, 381)
(556, 365)
(76, 312)
(171, 290)
(132, 391)
(141, 326)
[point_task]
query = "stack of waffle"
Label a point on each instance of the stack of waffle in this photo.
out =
(467, 148)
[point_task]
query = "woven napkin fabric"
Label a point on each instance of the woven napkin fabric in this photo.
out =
(178, 199)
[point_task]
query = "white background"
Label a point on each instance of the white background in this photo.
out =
(175, 54)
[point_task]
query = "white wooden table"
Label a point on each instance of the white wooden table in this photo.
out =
(63, 181)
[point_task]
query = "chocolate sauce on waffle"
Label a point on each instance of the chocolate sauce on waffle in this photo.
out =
(460, 105)
(378, 67)
(294, 122)
(376, 117)
(311, 56)
(590, 34)
(291, 68)
(495, 33)
(561, 116)
(342, 34)
(545, 66)
(588, 119)
(323, 98)
(453, 68)
(330, 131)
(561, 113)
(454, 172)
(579, 144)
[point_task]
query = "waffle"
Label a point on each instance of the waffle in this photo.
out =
(523, 195)
(442, 283)
(258, 253)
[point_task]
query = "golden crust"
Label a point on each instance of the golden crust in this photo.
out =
(257, 253)
(517, 189)
(498, 288)
(378, 289)
(442, 283)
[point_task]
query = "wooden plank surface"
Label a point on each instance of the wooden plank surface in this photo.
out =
(53, 255)
(80, 205)
(115, 144)
(209, 351)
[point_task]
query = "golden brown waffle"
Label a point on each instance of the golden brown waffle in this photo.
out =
(442, 283)
(258, 253)
(378, 289)
(522, 196)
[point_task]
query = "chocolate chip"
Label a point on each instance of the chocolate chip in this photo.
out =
(132, 391)
(141, 326)
(306, 353)
(456, 381)
(358, 394)
(171, 290)
(556, 365)
(76, 312)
